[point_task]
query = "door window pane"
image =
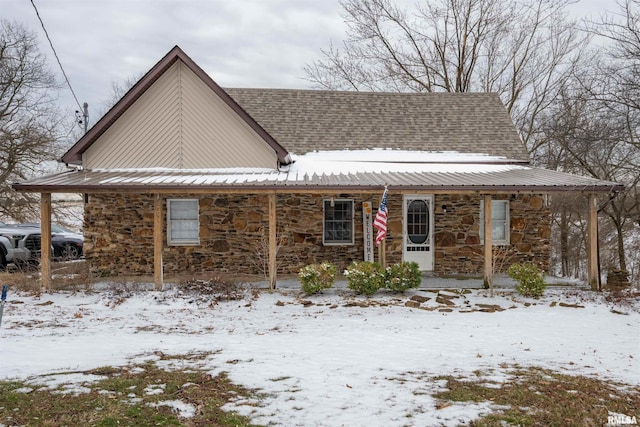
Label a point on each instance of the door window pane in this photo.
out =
(418, 222)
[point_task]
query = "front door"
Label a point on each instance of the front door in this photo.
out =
(418, 231)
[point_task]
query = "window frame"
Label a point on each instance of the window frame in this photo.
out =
(506, 222)
(183, 242)
(328, 202)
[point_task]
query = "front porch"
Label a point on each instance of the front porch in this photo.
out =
(271, 218)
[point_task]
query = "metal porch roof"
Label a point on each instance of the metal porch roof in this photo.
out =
(489, 178)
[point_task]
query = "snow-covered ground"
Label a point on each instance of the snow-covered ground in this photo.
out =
(332, 359)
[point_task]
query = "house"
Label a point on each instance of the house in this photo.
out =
(184, 176)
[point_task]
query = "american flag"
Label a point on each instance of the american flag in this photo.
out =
(380, 222)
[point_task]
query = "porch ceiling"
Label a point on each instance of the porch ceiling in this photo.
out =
(499, 178)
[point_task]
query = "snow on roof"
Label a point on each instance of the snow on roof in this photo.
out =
(370, 168)
(388, 155)
(347, 162)
(325, 163)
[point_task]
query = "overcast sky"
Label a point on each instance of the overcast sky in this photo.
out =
(239, 43)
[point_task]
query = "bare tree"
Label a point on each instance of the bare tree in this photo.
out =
(521, 49)
(592, 129)
(28, 118)
(622, 29)
(616, 89)
(118, 90)
(586, 136)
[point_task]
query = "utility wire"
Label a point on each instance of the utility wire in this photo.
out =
(56, 55)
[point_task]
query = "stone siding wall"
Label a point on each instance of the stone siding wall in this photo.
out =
(234, 234)
(458, 247)
(300, 229)
(118, 234)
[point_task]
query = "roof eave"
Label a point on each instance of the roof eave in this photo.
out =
(281, 187)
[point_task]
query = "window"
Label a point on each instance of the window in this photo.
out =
(499, 222)
(338, 222)
(183, 224)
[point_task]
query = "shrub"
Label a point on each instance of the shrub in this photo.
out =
(317, 277)
(530, 278)
(402, 276)
(365, 277)
(217, 288)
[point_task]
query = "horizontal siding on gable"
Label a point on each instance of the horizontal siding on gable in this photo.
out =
(214, 136)
(147, 134)
(179, 123)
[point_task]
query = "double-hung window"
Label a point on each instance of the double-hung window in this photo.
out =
(183, 224)
(499, 222)
(338, 222)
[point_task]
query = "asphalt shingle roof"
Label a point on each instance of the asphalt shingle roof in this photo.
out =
(304, 121)
(308, 120)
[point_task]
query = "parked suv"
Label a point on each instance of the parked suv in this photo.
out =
(66, 243)
(19, 245)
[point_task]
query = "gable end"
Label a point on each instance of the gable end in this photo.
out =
(75, 154)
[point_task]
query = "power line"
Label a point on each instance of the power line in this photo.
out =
(56, 55)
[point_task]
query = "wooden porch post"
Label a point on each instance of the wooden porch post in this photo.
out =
(592, 244)
(45, 240)
(273, 244)
(488, 249)
(158, 242)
